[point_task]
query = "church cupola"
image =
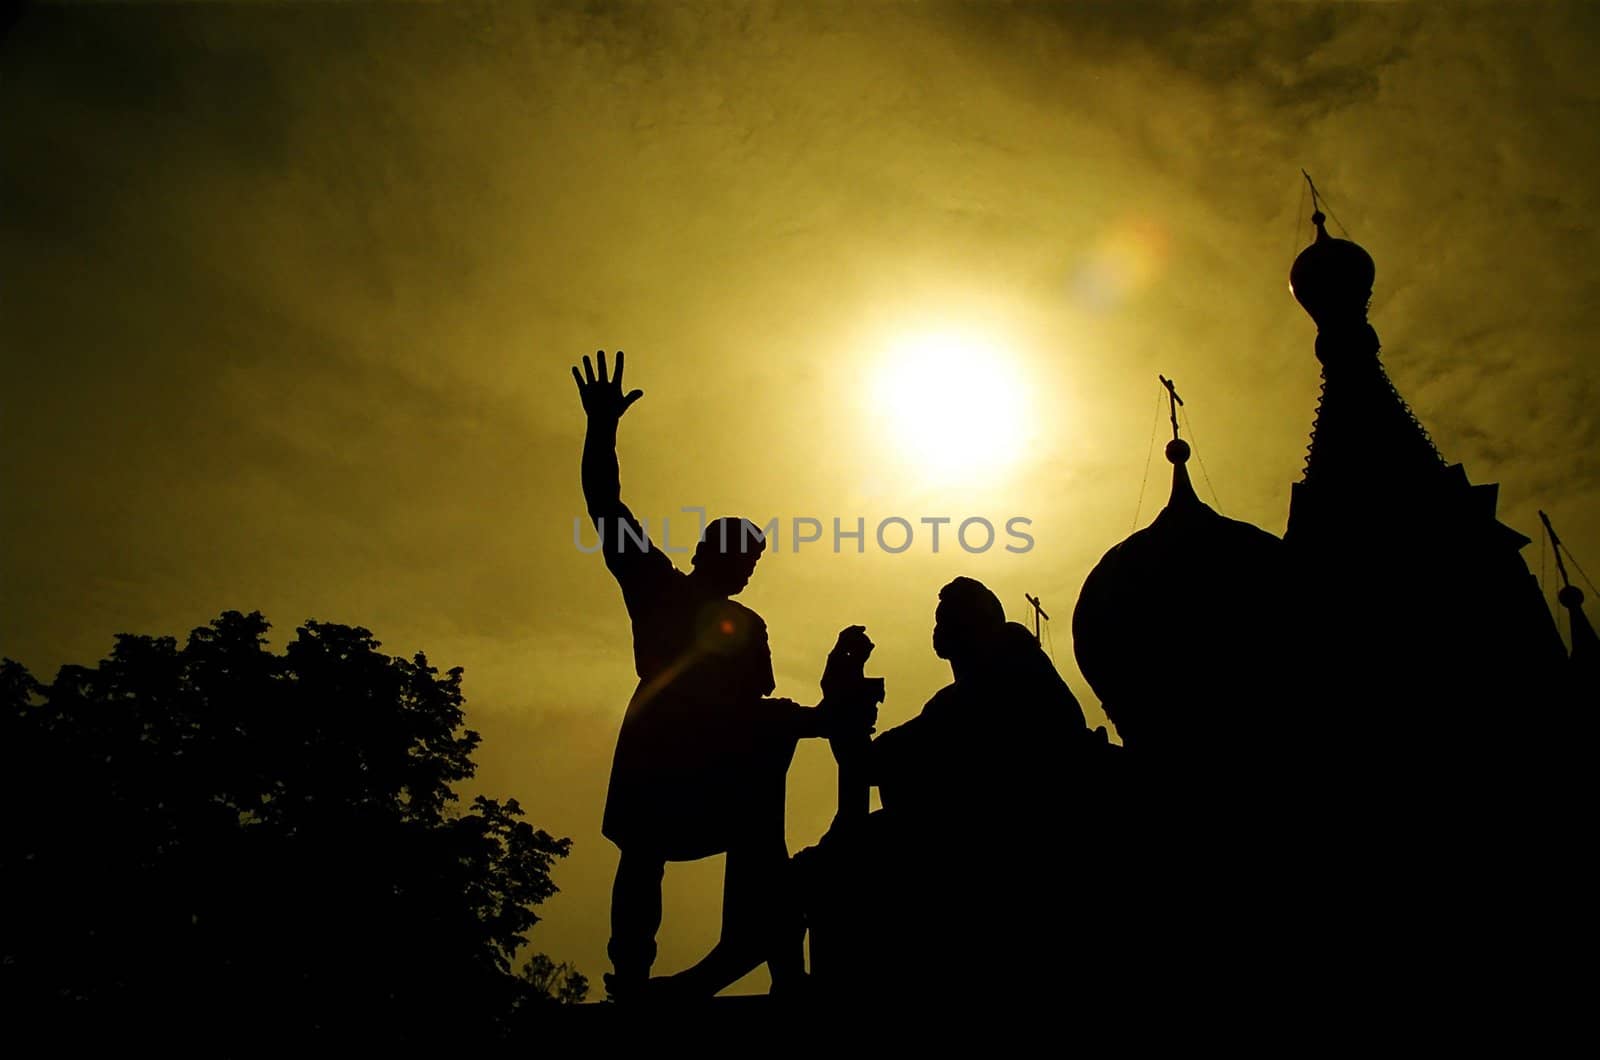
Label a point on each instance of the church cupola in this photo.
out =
(1182, 617)
(1332, 278)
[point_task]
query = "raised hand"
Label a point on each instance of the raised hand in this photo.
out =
(847, 661)
(603, 398)
(849, 698)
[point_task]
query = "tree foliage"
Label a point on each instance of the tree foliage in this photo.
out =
(216, 828)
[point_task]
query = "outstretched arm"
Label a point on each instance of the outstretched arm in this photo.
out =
(849, 708)
(604, 403)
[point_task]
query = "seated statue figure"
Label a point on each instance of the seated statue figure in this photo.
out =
(961, 866)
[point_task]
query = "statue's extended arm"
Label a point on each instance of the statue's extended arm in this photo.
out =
(848, 712)
(602, 477)
(603, 403)
(831, 718)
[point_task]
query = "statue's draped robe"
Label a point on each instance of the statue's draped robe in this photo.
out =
(985, 750)
(965, 855)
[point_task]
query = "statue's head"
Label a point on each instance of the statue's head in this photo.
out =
(727, 553)
(967, 621)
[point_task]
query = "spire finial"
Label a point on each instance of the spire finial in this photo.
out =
(1569, 594)
(1177, 449)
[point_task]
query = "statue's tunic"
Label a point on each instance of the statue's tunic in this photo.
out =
(700, 761)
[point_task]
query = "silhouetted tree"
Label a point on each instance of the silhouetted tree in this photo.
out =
(558, 982)
(217, 829)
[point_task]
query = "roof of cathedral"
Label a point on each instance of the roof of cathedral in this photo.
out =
(1363, 426)
(1189, 629)
(1368, 452)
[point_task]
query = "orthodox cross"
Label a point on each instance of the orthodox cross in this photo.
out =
(1038, 613)
(1173, 401)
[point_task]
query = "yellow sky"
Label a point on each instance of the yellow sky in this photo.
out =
(291, 292)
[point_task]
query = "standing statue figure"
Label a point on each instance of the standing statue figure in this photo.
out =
(703, 754)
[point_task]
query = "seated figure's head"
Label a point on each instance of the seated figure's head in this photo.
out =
(727, 553)
(967, 621)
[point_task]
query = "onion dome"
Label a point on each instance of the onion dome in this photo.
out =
(1332, 278)
(1180, 629)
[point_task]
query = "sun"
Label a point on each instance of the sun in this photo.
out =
(952, 405)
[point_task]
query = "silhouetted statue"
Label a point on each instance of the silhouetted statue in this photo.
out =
(702, 757)
(987, 763)
(972, 748)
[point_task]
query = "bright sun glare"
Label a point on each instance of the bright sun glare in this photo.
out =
(953, 405)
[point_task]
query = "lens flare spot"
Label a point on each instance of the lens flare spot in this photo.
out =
(1129, 258)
